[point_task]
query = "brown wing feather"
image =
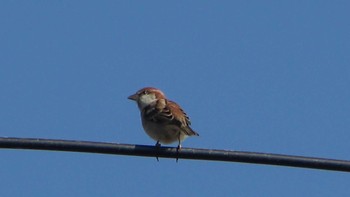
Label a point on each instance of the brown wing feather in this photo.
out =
(158, 112)
(168, 112)
(180, 118)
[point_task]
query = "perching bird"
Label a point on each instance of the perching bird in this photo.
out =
(162, 119)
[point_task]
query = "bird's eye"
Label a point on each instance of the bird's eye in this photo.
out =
(145, 92)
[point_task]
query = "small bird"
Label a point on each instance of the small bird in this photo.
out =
(162, 119)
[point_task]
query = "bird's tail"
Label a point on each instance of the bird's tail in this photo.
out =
(189, 131)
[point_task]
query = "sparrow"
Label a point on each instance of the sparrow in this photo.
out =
(163, 120)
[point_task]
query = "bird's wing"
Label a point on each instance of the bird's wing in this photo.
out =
(168, 112)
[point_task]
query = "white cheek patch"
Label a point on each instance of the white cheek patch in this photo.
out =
(146, 99)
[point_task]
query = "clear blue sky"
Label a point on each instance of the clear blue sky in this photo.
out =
(261, 76)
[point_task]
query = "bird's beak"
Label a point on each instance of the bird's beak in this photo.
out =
(133, 97)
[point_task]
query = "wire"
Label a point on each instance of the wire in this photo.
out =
(171, 152)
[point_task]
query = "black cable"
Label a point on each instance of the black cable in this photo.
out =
(171, 152)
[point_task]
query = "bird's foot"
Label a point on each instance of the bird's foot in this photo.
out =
(177, 152)
(157, 146)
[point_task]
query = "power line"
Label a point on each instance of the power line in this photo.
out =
(171, 152)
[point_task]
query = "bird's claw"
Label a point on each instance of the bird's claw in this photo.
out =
(177, 152)
(157, 146)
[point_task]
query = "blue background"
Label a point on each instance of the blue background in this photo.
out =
(262, 76)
